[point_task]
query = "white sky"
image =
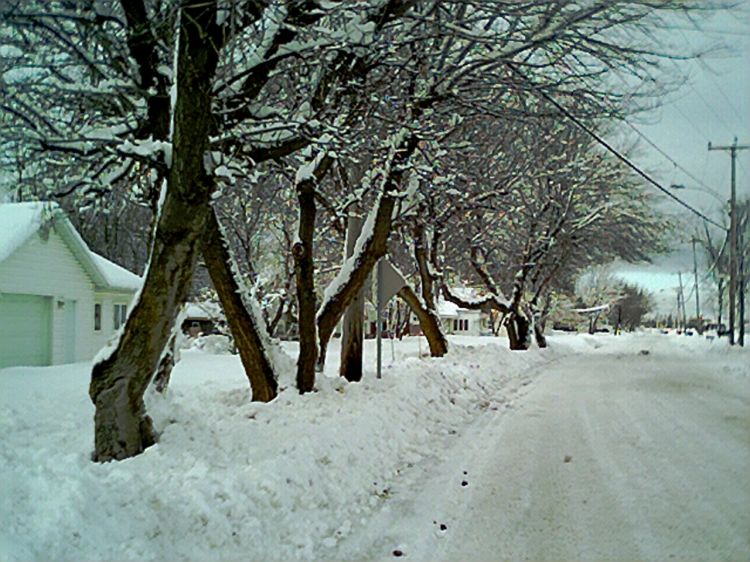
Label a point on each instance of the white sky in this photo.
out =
(713, 105)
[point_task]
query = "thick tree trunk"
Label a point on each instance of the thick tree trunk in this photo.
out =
(352, 336)
(167, 363)
(428, 320)
(518, 326)
(421, 257)
(245, 327)
(541, 339)
(304, 268)
(118, 382)
(373, 249)
(352, 341)
(540, 317)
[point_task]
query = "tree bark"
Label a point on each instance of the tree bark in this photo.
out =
(421, 257)
(118, 382)
(541, 339)
(428, 320)
(167, 363)
(518, 326)
(374, 248)
(304, 268)
(245, 327)
(352, 336)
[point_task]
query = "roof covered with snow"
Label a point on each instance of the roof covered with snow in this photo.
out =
(116, 275)
(447, 309)
(19, 221)
(202, 311)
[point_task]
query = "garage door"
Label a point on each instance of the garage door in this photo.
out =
(25, 330)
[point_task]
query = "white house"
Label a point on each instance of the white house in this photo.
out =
(457, 320)
(460, 321)
(59, 301)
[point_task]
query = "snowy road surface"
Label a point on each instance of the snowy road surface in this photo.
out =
(619, 456)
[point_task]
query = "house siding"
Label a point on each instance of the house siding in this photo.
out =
(108, 300)
(49, 268)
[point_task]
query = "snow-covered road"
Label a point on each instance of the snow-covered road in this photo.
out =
(616, 456)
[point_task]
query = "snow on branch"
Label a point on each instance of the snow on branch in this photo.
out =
(487, 301)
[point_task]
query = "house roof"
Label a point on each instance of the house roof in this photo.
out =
(19, 221)
(202, 311)
(448, 309)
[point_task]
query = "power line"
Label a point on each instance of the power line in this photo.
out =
(667, 156)
(619, 156)
(707, 69)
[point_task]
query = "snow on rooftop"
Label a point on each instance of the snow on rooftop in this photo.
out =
(18, 221)
(116, 275)
(202, 310)
(447, 309)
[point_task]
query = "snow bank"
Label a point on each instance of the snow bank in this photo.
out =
(231, 479)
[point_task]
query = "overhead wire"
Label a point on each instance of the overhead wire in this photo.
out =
(667, 156)
(707, 69)
(614, 151)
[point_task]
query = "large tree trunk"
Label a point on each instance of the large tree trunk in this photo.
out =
(541, 339)
(422, 259)
(118, 381)
(519, 331)
(166, 365)
(374, 248)
(245, 326)
(428, 320)
(540, 319)
(720, 295)
(352, 336)
(304, 268)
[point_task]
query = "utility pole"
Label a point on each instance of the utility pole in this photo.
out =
(681, 305)
(697, 297)
(732, 148)
(742, 273)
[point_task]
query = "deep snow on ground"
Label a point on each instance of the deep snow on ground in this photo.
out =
(350, 471)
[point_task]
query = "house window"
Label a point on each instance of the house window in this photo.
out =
(120, 315)
(455, 325)
(97, 317)
(466, 326)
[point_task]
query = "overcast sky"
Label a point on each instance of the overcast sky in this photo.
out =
(713, 105)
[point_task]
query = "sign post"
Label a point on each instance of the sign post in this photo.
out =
(389, 282)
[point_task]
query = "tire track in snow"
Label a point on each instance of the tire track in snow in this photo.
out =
(606, 457)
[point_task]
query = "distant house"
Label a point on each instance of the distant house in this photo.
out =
(59, 301)
(201, 318)
(461, 321)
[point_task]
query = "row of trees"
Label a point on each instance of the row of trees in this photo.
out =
(715, 245)
(253, 129)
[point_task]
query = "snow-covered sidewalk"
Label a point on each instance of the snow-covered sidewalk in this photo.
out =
(231, 479)
(305, 477)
